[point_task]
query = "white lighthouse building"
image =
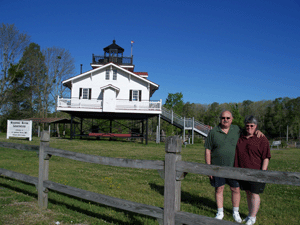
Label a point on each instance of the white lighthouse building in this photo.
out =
(111, 90)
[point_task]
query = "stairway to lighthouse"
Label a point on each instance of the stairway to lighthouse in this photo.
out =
(184, 123)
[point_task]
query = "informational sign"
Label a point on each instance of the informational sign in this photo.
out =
(19, 128)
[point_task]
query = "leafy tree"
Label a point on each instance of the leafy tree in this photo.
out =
(213, 114)
(293, 117)
(59, 66)
(200, 111)
(246, 108)
(12, 45)
(275, 119)
(16, 106)
(17, 103)
(237, 118)
(35, 79)
(259, 110)
(187, 110)
(175, 102)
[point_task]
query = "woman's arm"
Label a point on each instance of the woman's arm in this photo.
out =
(265, 164)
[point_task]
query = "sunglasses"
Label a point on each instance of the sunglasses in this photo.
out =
(223, 118)
(250, 125)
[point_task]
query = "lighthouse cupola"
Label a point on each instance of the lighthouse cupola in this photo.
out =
(113, 53)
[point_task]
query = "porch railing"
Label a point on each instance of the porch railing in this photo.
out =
(79, 103)
(138, 105)
(121, 104)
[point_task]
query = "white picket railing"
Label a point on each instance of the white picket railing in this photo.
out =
(138, 105)
(79, 103)
(121, 104)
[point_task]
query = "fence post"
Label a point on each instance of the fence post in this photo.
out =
(193, 130)
(172, 189)
(183, 129)
(43, 170)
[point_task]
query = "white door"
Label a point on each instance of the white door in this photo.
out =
(109, 100)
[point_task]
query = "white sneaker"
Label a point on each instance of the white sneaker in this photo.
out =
(246, 219)
(236, 217)
(251, 221)
(219, 216)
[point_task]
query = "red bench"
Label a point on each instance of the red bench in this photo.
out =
(109, 135)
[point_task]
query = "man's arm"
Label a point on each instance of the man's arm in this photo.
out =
(208, 158)
(259, 134)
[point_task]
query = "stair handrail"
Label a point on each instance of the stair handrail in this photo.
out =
(172, 116)
(188, 121)
(204, 128)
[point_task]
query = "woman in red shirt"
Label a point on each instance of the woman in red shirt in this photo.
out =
(254, 153)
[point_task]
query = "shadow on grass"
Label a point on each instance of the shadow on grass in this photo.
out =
(194, 200)
(17, 189)
(132, 217)
(87, 138)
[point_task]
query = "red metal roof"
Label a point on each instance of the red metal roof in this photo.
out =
(141, 73)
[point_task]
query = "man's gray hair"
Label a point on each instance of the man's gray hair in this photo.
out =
(225, 111)
(250, 119)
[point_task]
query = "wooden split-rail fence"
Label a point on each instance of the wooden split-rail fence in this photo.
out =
(173, 170)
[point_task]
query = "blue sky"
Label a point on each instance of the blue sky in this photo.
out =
(211, 51)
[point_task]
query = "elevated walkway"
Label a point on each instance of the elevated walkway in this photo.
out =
(184, 123)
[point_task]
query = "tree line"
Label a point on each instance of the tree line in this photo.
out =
(274, 116)
(30, 76)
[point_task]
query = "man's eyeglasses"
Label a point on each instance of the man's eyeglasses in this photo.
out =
(249, 125)
(223, 118)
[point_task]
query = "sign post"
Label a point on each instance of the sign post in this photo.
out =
(19, 128)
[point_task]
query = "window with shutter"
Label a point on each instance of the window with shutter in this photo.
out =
(135, 95)
(85, 93)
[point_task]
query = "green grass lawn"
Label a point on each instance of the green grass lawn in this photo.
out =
(280, 204)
